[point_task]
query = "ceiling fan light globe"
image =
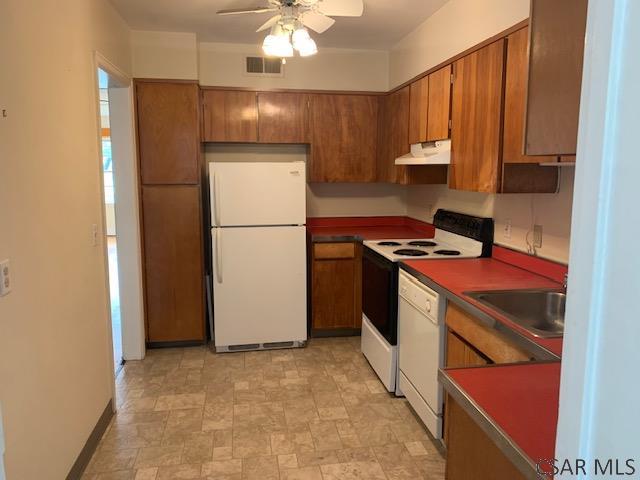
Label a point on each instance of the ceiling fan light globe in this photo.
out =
(300, 35)
(307, 48)
(277, 46)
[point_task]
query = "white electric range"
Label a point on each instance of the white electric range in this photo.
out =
(457, 236)
(443, 245)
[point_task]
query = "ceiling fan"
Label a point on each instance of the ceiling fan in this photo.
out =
(292, 16)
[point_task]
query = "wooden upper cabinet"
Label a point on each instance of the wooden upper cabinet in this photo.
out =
(393, 140)
(419, 111)
(555, 76)
(168, 132)
(173, 263)
(283, 117)
(230, 116)
(439, 104)
(430, 107)
(515, 100)
(343, 138)
(477, 120)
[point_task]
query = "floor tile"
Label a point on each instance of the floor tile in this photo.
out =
(317, 413)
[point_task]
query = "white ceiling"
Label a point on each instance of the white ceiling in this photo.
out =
(384, 21)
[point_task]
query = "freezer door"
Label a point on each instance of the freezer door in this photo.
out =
(253, 194)
(259, 285)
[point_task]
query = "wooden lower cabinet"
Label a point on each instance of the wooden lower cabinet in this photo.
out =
(471, 454)
(491, 344)
(173, 263)
(336, 286)
(470, 343)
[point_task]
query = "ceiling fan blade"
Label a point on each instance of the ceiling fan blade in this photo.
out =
(317, 22)
(341, 8)
(239, 11)
(269, 23)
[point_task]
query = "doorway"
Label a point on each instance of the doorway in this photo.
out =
(109, 198)
(121, 223)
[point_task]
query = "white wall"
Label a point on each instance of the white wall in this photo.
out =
(552, 211)
(223, 64)
(55, 364)
(457, 26)
(166, 55)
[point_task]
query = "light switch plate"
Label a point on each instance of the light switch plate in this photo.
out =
(507, 229)
(537, 236)
(5, 278)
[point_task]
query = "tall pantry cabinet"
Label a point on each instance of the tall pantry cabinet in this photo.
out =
(169, 152)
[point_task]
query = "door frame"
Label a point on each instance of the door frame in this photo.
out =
(600, 354)
(127, 215)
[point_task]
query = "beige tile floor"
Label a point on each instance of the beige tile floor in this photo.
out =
(318, 413)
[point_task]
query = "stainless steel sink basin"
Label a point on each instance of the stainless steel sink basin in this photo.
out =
(541, 312)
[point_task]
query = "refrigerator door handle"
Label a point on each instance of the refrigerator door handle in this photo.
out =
(218, 255)
(216, 198)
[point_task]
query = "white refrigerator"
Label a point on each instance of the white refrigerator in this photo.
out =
(258, 215)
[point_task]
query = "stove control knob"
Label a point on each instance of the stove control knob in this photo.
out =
(428, 306)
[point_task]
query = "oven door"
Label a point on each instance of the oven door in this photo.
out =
(380, 294)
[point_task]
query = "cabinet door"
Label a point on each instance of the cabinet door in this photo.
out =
(419, 111)
(555, 76)
(456, 356)
(471, 453)
(168, 132)
(515, 99)
(439, 104)
(283, 118)
(394, 136)
(477, 120)
(336, 283)
(173, 263)
(343, 138)
(230, 116)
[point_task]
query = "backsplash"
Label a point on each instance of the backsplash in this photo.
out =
(552, 211)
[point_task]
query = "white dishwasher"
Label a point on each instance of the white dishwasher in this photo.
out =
(421, 349)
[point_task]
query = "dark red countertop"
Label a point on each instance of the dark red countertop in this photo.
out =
(464, 275)
(520, 400)
(337, 229)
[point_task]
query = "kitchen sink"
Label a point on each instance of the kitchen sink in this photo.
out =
(541, 312)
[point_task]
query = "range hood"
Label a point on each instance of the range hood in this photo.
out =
(430, 153)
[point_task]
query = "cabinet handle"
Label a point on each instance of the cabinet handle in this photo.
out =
(218, 255)
(216, 199)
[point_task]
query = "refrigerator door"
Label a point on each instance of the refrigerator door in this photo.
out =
(259, 285)
(253, 194)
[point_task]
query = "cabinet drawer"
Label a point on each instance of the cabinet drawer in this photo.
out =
(334, 250)
(486, 340)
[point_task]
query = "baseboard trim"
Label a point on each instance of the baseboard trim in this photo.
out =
(335, 332)
(91, 445)
(178, 344)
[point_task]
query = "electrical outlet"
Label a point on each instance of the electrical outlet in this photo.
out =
(537, 236)
(5, 278)
(507, 229)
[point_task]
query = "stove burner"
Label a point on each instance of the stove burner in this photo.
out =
(410, 252)
(389, 244)
(422, 243)
(450, 253)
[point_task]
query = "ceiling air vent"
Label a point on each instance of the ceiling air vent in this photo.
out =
(264, 67)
